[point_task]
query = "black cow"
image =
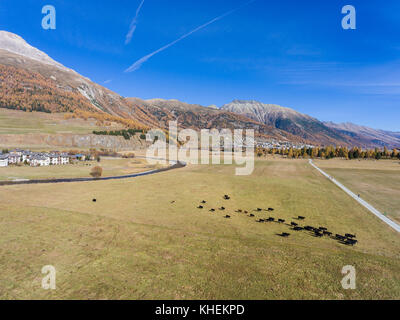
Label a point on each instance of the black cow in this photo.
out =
(252, 215)
(259, 209)
(349, 235)
(226, 197)
(261, 220)
(227, 217)
(212, 210)
(318, 234)
(327, 233)
(285, 235)
(271, 209)
(350, 242)
(204, 202)
(340, 237)
(281, 220)
(301, 218)
(200, 207)
(270, 219)
(294, 224)
(222, 208)
(94, 200)
(297, 228)
(323, 228)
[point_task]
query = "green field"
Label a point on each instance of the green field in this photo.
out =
(20, 122)
(378, 182)
(133, 243)
(110, 166)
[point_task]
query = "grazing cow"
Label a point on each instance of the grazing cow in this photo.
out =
(226, 197)
(222, 208)
(259, 209)
(350, 242)
(227, 217)
(285, 235)
(94, 200)
(323, 228)
(301, 218)
(340, 237)
(294, 224)
(281, 220)
(200, 207)
(252, 215)
(172, 201)
(261, 220)
(204, 202)
(270, 219)
(349, 235)
(297, 228)
(327, 233)
(212, 210)
(239, 211)
(309, 228)
(271, 209)
(318, 234)
(246, 212)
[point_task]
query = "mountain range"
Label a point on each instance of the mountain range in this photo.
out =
(32, 81)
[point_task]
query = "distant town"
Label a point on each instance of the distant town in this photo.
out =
(37, 159)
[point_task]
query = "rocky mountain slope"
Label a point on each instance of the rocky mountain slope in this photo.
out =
(30, 80)
(308, 127)
(367, 135)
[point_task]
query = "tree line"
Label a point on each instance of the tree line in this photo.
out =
(331, 152)
(126, 133)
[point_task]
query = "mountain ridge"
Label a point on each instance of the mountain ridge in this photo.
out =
(31, 80)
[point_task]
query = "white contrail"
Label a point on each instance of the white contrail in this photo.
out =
(133, 25)
(139, 63)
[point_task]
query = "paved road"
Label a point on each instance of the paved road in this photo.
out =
(389, 222)
(175, 165)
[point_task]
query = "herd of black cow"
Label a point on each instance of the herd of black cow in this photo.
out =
(318, 232)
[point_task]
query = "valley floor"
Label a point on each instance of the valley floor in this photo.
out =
(134, 243)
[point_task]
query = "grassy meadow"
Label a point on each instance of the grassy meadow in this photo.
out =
(81, 169)
(134, 243)
(20, 122)
(378, 182)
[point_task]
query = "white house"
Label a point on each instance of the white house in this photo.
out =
(40, 161)
(54, 159)
(3, 160)
(14, 158)
(26, 156)
(64, 158)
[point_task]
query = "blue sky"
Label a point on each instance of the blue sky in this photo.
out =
(292, 53)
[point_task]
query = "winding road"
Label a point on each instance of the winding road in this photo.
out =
(175, 165)
(365, 204)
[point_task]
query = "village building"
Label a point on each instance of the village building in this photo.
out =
(14, 158)
(40, 161)
(35, 159)
(3, 160)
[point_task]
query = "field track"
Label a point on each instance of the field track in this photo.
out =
(365, 204)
